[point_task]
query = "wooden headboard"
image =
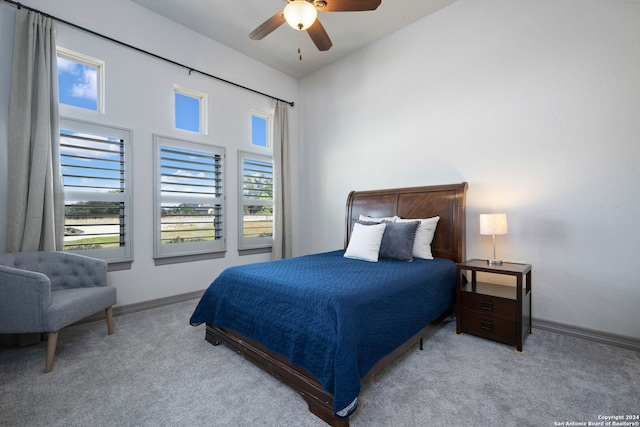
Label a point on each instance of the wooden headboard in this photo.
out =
(445, 201)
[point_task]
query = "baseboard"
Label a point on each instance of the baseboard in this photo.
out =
(121, 310)
(623, 341)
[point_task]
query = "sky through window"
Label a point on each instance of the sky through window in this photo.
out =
(77, 83)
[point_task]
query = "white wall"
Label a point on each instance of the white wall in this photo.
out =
(535, 104)
(139, 96)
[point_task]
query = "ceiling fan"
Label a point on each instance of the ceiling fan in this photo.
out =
(303, 15)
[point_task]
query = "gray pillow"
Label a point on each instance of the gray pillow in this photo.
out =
(397, 241)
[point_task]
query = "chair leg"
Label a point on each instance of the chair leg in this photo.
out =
(109, 313)
(51, 351)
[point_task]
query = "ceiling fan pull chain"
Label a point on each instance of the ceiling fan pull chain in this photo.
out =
(299, 47)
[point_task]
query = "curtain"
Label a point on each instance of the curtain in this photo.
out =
(282, 200)
(35, 200)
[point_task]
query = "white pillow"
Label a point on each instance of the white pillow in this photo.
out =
(365, 242)
(424, 236)
(378, 220)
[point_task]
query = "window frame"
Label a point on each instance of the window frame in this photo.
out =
(269, 139)
(245, 243)
(203, 99)
(185, 249)
(123, 253)
(100, 78)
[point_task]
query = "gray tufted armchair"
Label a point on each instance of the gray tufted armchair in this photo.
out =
(46, 291)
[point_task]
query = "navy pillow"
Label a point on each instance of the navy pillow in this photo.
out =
(397, 240)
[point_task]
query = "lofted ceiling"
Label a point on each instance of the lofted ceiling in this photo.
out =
(230, 21)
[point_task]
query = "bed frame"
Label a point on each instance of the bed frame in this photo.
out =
(445, 201)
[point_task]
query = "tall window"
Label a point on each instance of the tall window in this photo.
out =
(189, 196)
(256, 200)
(95, 171)
(80, 80)
(260, 123)
(190, 109)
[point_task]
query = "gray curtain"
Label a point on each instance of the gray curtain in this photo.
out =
(35, 201)
(282, 203)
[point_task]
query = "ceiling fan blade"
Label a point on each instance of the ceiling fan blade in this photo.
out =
(267, 26)
(319, 36)
(349, 5)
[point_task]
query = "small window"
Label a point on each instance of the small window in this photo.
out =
(95, 170)
(189, 195)
(190, 109)
(80, 80)
(260, 129)
(256, 201)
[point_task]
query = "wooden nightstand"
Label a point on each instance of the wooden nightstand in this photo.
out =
(500, 312)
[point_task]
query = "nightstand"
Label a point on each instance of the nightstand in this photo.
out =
(500, 312)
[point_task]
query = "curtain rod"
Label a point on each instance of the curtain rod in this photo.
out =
(191, 69)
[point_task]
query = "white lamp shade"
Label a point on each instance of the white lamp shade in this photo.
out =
(493, 224)
(300, 14)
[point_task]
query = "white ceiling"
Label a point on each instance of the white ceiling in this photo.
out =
(230, 21)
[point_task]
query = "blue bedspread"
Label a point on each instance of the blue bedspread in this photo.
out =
(333, 316)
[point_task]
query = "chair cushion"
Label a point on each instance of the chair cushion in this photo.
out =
(70, 305)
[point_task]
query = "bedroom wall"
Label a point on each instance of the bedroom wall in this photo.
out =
(139, 96)
(535, 104)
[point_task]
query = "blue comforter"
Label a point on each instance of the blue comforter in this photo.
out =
(333, 316)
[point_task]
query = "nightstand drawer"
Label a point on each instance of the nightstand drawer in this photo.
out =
(488, 327)
(488, 305)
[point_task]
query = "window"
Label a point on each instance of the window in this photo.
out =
(95, 170)
(80, 80)
(190, 109)
(256, 200)
(260, 123)
(189, 205)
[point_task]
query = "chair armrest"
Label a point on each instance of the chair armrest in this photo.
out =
(23, 297)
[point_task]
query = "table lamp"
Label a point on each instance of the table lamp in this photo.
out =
(492, 224)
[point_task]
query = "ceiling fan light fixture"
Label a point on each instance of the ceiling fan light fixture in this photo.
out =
(300, 14)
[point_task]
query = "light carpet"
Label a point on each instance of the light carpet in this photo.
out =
(157, 370)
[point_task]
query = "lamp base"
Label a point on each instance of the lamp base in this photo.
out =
(494, 262)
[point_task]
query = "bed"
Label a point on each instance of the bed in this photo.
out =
(325, 333)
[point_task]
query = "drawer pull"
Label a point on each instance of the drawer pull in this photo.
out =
(486, 305)
(486, 325)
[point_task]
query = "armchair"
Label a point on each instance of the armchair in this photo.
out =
(45, 291)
